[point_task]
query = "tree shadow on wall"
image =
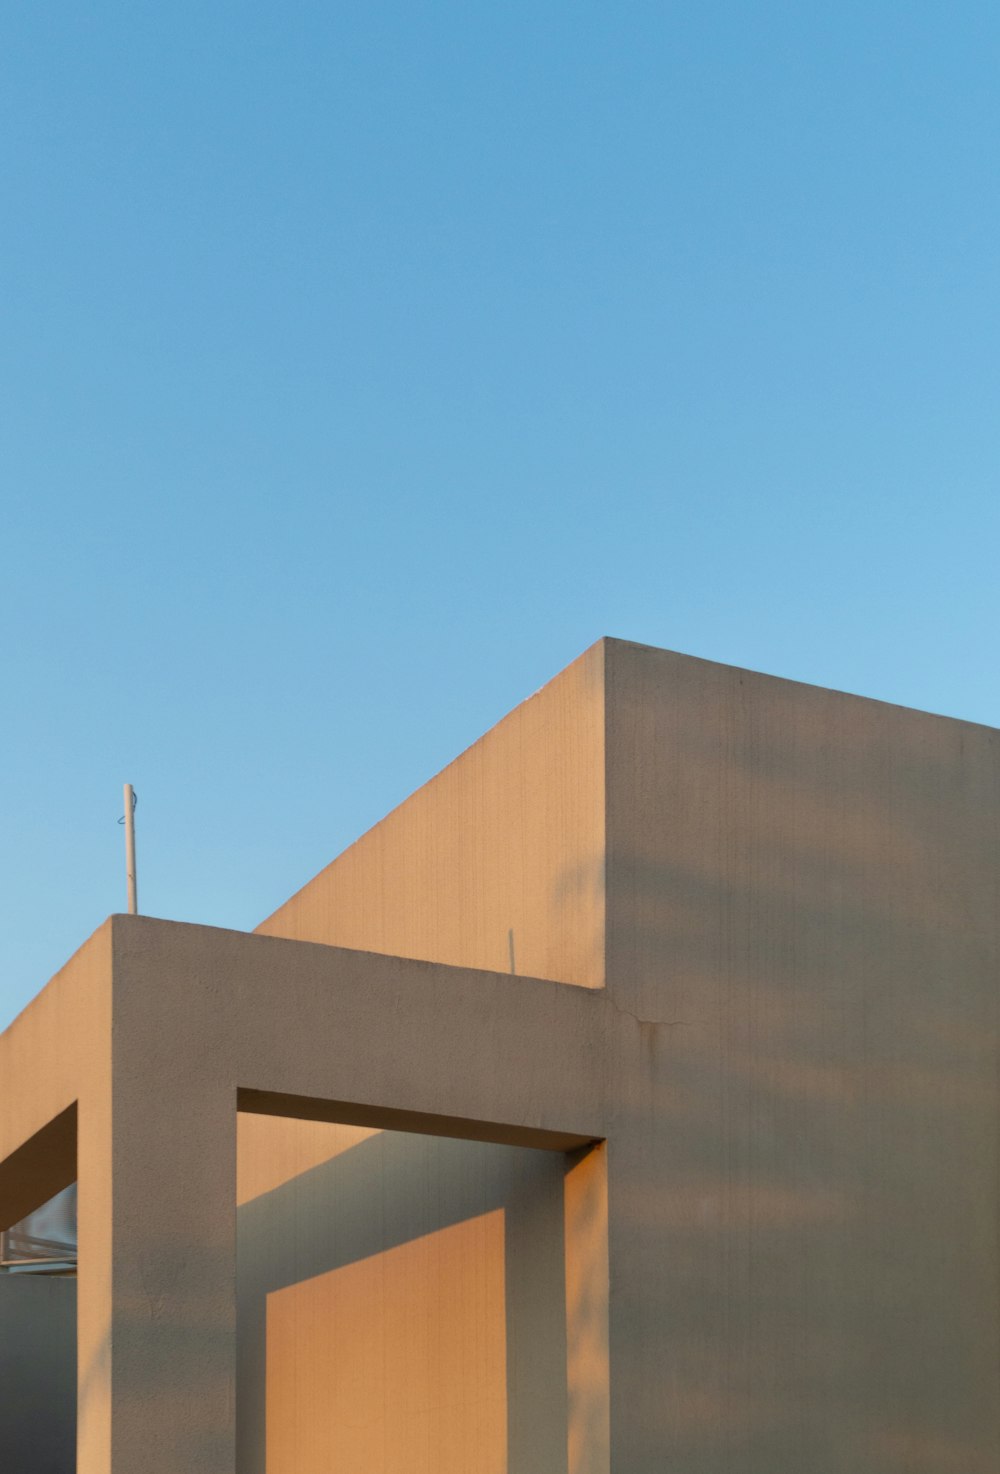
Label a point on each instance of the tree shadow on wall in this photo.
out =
(802, 949)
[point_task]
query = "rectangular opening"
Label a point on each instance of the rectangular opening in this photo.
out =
(414, 1304)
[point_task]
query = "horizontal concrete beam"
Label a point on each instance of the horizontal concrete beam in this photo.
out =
(308, 1108)
(328, 1033)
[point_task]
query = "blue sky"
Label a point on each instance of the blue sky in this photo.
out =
(360, 364)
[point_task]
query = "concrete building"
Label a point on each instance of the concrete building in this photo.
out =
(627, 1100)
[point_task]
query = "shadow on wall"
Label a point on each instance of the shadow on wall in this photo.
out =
(803, 947)
(401, 1304)
(37, 1374)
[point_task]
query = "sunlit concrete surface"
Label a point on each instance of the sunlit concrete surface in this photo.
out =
(401, 1302)
(498, 862)
(691, 968)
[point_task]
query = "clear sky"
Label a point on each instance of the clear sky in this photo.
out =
(362, 363)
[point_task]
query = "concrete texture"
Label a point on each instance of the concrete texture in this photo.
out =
(55, 1062)
(497, 863)
(777, 1121)
(37, 1373)
(803, 919)
(401, 1303)
(196, 1017)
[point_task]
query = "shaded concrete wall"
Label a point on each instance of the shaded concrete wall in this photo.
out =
(401, 1303)
(37, 1374)
(803, 920)
(498, 862)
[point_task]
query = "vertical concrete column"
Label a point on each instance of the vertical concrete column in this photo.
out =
(585, 1197)
(94, 1277)
(157, 1330)
(157, 1206)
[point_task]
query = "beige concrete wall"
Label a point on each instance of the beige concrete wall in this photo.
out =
(801, 912)
(55, 1068)
(37, 1374)
(401, 1303)
(202, 1015)
(802, 917)
(498, 862)
(794, 1064)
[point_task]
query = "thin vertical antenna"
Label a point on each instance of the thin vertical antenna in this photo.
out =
(133, 889)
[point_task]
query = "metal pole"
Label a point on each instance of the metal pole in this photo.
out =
(133, 890)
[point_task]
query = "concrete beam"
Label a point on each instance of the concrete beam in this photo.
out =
(452, 1051)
